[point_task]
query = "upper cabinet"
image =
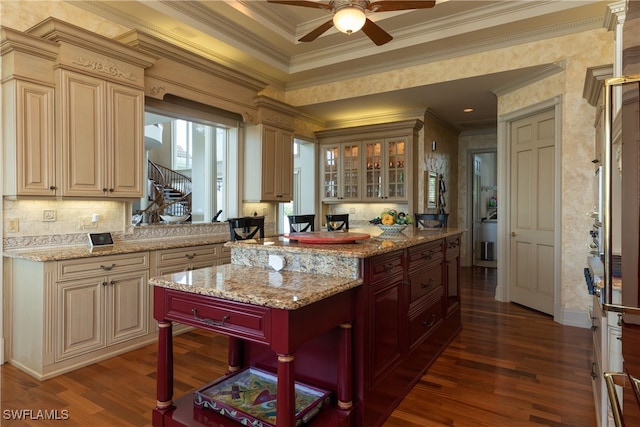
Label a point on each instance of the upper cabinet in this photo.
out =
(268, 164)
(28, 95)
(340, 169)
(76, 102)
(101, 134)
(385, 170)
(268, 154)
(375, 163)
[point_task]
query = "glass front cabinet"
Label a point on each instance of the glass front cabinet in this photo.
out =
(385, 170)
(370, 164)
(341, 172)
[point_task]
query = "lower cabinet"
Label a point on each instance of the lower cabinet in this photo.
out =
(102, 311)
(411, 306)
(83, 310)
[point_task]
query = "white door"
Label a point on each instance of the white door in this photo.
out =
(532, 211)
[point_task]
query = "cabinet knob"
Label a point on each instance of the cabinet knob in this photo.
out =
(52, 187)
(513, 234)
(104, 189)
(111, 190)
(429, 324)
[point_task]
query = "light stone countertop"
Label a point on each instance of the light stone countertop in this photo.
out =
(265, 287)
(378, 244)
(61, 253)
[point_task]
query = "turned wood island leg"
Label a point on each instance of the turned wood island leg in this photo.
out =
(286, 401)
(345, 367)
(164, 381)
(235, 354)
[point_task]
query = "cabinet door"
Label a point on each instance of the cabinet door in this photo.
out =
(329, 158)
(277, 165)
(341, 172)
(32, 146)
(82, 121)
(126, 310)
(395, 173)
(388, 314)
(125, 142)
(385, 171)
(452, 249)
(284, 166)
(80, 317)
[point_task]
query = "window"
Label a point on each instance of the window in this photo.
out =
(195, 149)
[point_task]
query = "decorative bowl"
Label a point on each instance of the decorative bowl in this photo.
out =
(173, 218)
(395, 228)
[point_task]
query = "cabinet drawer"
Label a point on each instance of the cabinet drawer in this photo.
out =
(425, 317)
(194, 254)
(425, 254)
(424, 281)
(383, 267)
(452, 246)
(226, 317)
(92, 267)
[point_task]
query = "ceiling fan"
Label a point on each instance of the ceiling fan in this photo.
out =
(349, 16)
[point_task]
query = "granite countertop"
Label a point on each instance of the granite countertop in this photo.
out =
(61, 253)
(265, 287)
(379, 243)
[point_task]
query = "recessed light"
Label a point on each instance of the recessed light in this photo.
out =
(468, 110)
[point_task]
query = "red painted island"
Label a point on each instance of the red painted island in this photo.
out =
(362, 320)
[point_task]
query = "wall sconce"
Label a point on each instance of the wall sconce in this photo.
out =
(433, 145)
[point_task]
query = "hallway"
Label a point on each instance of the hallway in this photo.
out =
(510, 366)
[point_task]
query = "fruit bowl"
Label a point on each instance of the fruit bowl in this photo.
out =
(174, 218)
(394, 228)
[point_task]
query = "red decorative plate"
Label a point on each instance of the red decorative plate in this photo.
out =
(327, 237)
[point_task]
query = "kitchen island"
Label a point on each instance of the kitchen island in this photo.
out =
(363, 320)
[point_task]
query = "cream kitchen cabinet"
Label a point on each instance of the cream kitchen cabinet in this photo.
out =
(371, 164)
(28, 96)
(385, 170)
(340, 166)
(76, 311)
(168, 261)
(101, 136)
(268, 164)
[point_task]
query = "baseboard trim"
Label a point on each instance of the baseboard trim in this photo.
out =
(577, 318)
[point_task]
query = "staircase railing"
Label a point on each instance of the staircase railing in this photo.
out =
(169, 193)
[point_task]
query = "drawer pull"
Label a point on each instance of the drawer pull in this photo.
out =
(105, 268)
(427, 255)
(453, 245)
(427, 285)
(192, 256)
(430, 324)
(388, 268)
(209, 321)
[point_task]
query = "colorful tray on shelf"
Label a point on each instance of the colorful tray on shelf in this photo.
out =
(327, 237)
(249, 397)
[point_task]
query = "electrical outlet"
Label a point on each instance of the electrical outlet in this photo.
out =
(48, 215)
(352, 210)
(86, 223)
(13, 225)
(264, 211)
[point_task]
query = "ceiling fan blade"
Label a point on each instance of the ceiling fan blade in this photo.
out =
(387, 6)
(317, 32)
(313, 4)
(375, 33)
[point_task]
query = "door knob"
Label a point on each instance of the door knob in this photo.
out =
(513, 234)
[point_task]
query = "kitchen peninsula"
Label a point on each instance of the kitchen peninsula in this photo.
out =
(363, 320)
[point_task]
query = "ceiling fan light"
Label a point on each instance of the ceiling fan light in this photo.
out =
(349, 19)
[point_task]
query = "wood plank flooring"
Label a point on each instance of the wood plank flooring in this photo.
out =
(510, 366)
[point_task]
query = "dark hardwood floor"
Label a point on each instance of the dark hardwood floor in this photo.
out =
(510, 366)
